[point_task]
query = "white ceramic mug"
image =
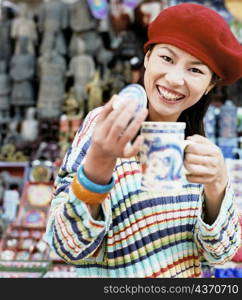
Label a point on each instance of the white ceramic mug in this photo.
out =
(162, 156)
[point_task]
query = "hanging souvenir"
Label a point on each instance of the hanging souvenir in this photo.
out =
(8, 254)
(94, 91)
(36, 234)
(80, 17)
(235, 8)
(11, 243)
(50, 98)
(39, 195)
(82, 69)
(22, 255)
(24, 234)
(131, 3)
(24, 26)
(150, 10)
(120, 16)
(34, 218)
(5, 89)
(99, 8)
(40, 173)
(37, 256)
(27, 244)
(29, 126)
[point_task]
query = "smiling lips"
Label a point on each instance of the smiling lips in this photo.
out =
(169, 95)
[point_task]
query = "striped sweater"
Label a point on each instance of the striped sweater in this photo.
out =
(138, 234)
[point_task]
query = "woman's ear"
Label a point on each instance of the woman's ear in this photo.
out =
(210, 87)
(146, 59)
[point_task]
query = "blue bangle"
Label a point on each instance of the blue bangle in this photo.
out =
(91, 186)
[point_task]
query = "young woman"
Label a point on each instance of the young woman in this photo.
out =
(100, 219)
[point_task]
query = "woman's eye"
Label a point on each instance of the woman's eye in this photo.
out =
(195, 70)
(166, 58)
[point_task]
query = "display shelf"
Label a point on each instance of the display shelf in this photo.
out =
(25, 266)
(18, 169)
(23, 269)
(34, 204)
(61, 270)
(23, 238)
(60, 274)
(23, 244)
(17, 274)
(7, 164)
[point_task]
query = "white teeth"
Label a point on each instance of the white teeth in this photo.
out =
(168, 95)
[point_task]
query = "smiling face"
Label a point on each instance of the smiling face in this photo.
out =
(174, 80)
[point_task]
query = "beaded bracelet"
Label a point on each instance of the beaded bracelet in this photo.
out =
(91, 186)
(85, 195)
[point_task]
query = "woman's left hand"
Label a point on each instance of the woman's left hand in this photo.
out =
(205, 163)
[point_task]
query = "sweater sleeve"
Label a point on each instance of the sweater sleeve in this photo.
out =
(218, 242)
(71, 231)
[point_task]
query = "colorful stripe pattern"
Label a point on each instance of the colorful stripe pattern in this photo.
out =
(139, 234)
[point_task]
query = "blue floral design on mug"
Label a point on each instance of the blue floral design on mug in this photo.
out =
(162, 156)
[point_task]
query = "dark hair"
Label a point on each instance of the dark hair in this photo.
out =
(194, 115)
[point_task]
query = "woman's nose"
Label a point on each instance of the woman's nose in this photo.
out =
(175, 76)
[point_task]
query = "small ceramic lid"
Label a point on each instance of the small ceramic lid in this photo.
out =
(132, 92)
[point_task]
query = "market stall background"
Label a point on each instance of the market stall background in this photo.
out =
(59, 60)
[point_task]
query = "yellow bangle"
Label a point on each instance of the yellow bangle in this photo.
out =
(85, 195)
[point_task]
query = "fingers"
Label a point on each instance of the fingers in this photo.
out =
(107, 109)
(120, 119)
(191, 158)
(109, 120)
(201, 146)
(203, 160)
(198, 170)
(117, 127)
(132, 150)
(199, 139)
(198, 149)
(133, 128)
(198, 179)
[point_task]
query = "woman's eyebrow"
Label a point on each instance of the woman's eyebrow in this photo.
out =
(171, 51)
(198, 62)
(195, 62)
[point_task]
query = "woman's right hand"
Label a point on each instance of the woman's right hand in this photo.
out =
(114, 129)
(113, 132)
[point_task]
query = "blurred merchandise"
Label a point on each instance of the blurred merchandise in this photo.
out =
(228, 120)
(210, 123)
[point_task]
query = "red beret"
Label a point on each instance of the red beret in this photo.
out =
(204, 34)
